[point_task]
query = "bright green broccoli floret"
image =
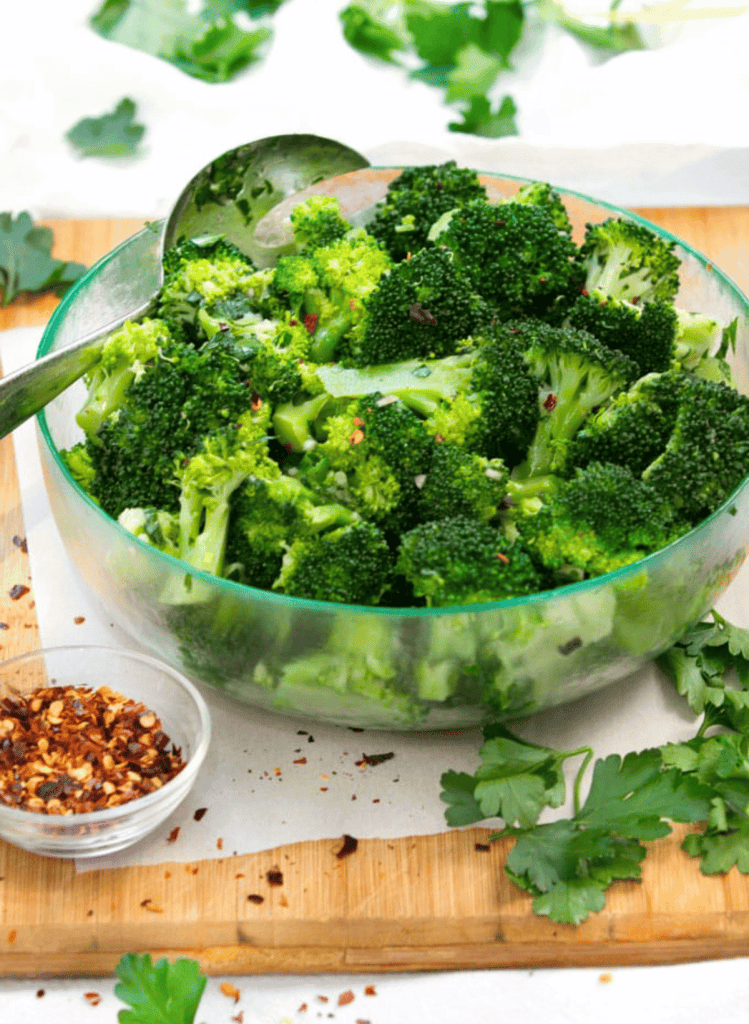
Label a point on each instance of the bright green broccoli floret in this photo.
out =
(600, 520)
(421, 308)
(123, 360)
(515, 257)
(633, 428)
(697, 337)
(416, 199)
(539, 193)
(646, 333)
(153, 526)
(78, 462)
(462, 561)
(318, 222)
(707, 454)
(624, 260)
(575, 374)
(350, 565)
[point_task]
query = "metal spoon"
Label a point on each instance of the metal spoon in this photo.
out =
(229, 196)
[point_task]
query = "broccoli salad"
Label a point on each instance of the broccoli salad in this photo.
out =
(455, 404)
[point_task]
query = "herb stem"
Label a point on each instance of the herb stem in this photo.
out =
(588, 751)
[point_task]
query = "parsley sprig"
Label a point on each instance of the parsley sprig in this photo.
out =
(165, 992)
(26, 261)
(567, 865)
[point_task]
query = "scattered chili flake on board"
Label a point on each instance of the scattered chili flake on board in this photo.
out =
(302, 1008)
(39, 993)
(274, 876)
(230, 991)
(301, 760)
(349, 846)
(323, 999)
(255, 897)
(17, 591)
(79, 619)
(92, 997)
(219, 844)
(239, 1018)
(173, 835)
(199, 814)
(69, 749)
(373, 759)
(20, 542)
(482, 847)
(370, 990)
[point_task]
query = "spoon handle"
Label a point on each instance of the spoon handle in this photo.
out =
(31, 387)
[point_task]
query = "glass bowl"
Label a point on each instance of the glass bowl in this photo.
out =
(139, 677)
(383, 668)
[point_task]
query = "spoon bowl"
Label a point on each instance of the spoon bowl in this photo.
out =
(229, 197)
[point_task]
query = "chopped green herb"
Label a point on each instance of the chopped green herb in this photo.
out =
(26, 263)
(112, 134)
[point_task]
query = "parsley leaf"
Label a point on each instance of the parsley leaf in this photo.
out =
(363, 30)
(480, 119)
(158, 993)
(113, 134)
(26, 263)
(208, 44)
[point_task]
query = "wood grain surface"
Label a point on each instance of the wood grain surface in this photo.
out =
(418, 903)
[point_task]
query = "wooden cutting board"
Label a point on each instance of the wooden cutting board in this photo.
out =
(419, 903)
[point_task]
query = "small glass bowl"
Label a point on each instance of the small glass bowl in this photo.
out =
(139, 677)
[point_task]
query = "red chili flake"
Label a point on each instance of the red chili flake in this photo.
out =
(358, 422)
(293, 322)
(550, 402)
(503, 558)
(255, 897)
(219, 844)
(256, 402)
(322, 999)
(421, 316)
(349, 846)
(346, 997)
(439, 439)
(360, 1021)
(230, 991)
(20, 542)
(39, 993)
(302, 1008)
(79, 619)
(482, 847)
(310, 322)
(408, 255)
(239, 1019)
(173, 835)
(370, 990)
(200, 814)
(16, 591)
(301, 760)
(357, 436)
(584, 291)
(12, 935)
(93, 997)
(352, 304)
(274, 876)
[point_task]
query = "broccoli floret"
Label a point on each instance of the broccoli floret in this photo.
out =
(462, 483)
(625, 260)
(633, 428)
(318, 222)
(515, 257)
(602, 519)
(539, 193)
(697, 337)
(205, 272)
(707, 455)
(327, 288)
(575, 375)
(416, 199)
(122, 361)
(646, 333)
(421, 308)
(462, 561)
(153, 526)
(78, 462)
(350, 565)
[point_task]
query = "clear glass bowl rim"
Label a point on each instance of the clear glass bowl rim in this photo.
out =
(569, 590)
(112, 814)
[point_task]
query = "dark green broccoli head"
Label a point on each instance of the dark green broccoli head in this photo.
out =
(515, 257)
(461, 483)
(633, 428)
(707, 454)
(539, 193)
(416, 199)
(602, 519)
(625, 260)
(647, 333)
(422, 308)
(463, 561)
(350, 565)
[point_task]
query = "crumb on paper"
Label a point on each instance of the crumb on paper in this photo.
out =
(200, 813)
(345, 997)
(173, 835)
(219, 844)
(79, 619)
(605, 978)
(94, 998)
(370, 990)
(39, 993)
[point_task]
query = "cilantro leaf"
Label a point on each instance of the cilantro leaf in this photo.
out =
(480, 119)
(457, 791)
(616, 38)
(112, 134)
(26, 263)
(572, 901)
(721, 851)
(366, 30)
(210, 44)
(158, 993)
